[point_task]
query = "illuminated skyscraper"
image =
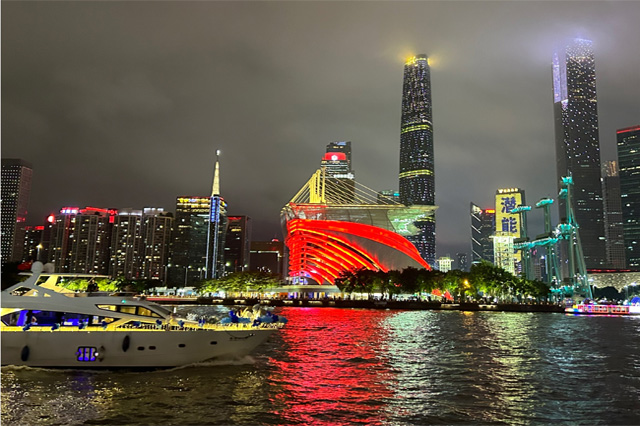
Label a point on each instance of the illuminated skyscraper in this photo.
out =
(80, 240)
(416, 150)
(578, 144)
(237, 244)
(337, 165)
(157, 226)
(32, 243)
(629, 160)
(613, 230)
(16, 187)
(217, 228)
(482, 228)
(140, 242)
(190, 236)
(127, 245)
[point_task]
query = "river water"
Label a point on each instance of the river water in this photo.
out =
(369, 367)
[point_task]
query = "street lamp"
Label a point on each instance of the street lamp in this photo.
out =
(39, 247)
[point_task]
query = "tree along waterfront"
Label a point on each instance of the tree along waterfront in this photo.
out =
(484, 281)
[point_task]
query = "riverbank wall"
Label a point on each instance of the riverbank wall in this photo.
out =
(359, 304)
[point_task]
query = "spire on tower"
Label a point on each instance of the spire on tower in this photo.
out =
(215, 190)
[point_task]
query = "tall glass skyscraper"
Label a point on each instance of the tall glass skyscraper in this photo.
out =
(629, 159)
(16, 187)
(578, 144)
(482, 228)
(416, 150)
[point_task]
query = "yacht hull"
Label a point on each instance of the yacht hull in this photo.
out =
(126, 349)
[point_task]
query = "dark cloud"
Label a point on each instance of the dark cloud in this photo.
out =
(123, 104)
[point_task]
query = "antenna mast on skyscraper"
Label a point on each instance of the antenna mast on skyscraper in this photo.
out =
(215, 190)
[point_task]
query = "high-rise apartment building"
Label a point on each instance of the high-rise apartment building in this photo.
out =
(417, 184)
(237, 244)
(16, 188)
(482, 228)
(628, 141)
(578, 143)
(127, 245)
(32, 245)
(157, 226)
(613, 231)
(33, 236)
(81, 239)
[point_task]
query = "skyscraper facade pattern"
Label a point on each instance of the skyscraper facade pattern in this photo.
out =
(417, 184)
(237, 244)
(80, 240)
(482, 228)
(613, 231)
(190, 239)
(578, 144)
(16, 188)
(337, 165)
(628, 141)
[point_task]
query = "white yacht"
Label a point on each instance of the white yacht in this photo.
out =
(45, 325)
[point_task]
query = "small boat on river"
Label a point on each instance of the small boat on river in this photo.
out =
(46, 325)
(593, 309)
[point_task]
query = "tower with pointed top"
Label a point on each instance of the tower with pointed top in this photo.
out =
(417, 184)
(214, 267)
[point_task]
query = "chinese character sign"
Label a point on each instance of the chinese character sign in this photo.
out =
(508, 204)
(507, 223)
(510, 225)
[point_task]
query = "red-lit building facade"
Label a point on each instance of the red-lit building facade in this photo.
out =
(325, 235)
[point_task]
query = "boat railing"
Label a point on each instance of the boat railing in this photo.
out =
(186, 327)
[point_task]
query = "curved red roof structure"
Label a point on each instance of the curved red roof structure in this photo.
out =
(321, 249)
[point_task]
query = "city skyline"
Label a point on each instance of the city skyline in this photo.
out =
(114, 113)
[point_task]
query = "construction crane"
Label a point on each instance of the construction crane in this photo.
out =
(576, 283)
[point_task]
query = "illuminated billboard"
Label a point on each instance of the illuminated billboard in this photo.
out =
(508, 225)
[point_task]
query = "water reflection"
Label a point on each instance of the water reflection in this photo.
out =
(331, 369)
(333, 366)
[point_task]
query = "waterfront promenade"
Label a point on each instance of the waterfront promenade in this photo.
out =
(413, 305)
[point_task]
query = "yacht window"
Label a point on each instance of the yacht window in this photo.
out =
(128, 309)
(107, 307)
(147, 312)
(24, 291)
(17, 319)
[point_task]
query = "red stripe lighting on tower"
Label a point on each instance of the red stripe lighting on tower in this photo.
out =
(628, 129)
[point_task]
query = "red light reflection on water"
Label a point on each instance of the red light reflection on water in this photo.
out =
(333, 369)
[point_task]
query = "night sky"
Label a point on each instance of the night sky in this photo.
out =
(123, 104)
